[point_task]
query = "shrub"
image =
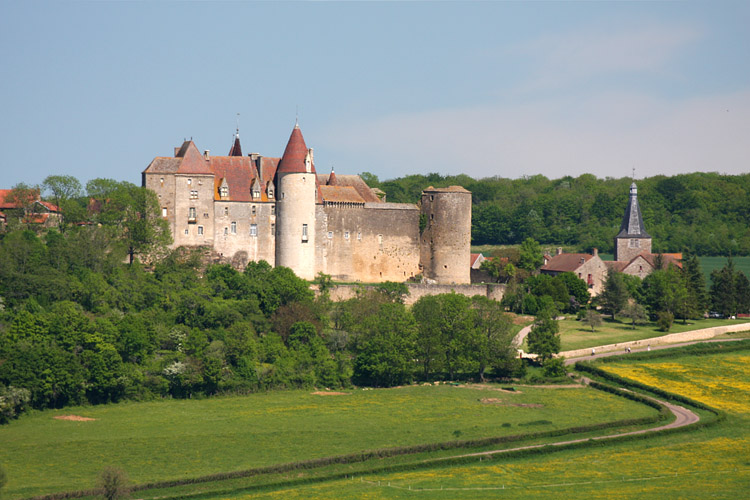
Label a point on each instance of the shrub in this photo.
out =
(114, 483)
(665, 321)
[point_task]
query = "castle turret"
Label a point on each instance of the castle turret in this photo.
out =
(297, 193)
(445, 252)
(632, 238)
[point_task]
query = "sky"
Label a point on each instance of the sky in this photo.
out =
(508, 89)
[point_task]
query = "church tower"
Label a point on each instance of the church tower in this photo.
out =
(297, 193)
(632, 238)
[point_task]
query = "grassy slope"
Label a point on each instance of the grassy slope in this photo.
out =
(174, 439)
(577, 335)
(710, 463)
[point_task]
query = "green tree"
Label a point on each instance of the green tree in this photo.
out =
(615, 294)
(531, 257)
(592, 319)
(543, 339)
(113, 483)
(64, 191)
(494, 336)
(385, 352)
(635, 312)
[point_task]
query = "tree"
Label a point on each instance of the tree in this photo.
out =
(64, 189)
(531, 257)
(615, 294)
(113, 483)
(23, 197)
(635, 312)
(494, 335)
(695, 283)
(592, 319)
(730, 290)
(543, 339)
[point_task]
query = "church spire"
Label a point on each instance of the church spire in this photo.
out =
(632, 221)
(236, 149)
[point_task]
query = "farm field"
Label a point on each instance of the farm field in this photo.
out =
(163, 440)
(712, 462)
(577, 335)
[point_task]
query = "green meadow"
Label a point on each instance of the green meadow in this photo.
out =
(711, 462)
(164, 440)
(577, 335)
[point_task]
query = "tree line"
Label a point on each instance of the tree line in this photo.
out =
(707, 213)
(81, 324)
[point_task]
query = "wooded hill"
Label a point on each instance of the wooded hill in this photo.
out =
(707, 213)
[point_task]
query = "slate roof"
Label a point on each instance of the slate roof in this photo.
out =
(632, 221)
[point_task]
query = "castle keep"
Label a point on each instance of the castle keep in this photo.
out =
(252, 208)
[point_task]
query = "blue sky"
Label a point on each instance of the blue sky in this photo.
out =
(97, 89)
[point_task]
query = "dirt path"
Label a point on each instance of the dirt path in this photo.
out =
(683, 417)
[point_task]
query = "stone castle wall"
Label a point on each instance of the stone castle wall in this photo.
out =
(245, 231)
(370, 243)
(446, 239)
(417, 290)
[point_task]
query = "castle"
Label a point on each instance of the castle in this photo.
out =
(252, 208)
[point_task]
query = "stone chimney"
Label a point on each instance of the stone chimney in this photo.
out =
(596, 252)
(558, 251)
(206, 154)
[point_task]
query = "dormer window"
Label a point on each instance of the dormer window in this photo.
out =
(270, 190)
(256, 193)
(224, 192)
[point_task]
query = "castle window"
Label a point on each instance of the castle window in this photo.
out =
(191, 214)
(634, 243)
(330, 235)
(200, 230)
(359, 235)
(432, 198)
(273, 229)
(164, 211)
(224, 191)
(234, 227)
(273, 209)
(256, 193)
(226, 231)
(193, 194)
(226, 210)
(270, 192)
(304, 233)
(252, 209)
(161, 181)
(380, 239)
(253, 229)
(200, 182)
(346, 235)
(190, 181)
(186, 231)
(205, 215)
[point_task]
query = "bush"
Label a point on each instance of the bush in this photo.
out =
(665, 320)
(114, 483)
(554, 367)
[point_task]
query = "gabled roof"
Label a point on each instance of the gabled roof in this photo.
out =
(340, 194)
(566, 262)
(667, 258)
(293, 159)
(617, 265)
(632, 221)
(4, 193)
(354, 181)
(193, 162)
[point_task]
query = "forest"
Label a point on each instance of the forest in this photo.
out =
(706, 213)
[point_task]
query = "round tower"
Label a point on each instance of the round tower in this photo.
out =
(297, 193)
(446, 234)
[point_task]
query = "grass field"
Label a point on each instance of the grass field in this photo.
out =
(713, 462)
(576, 335)
(177, 439)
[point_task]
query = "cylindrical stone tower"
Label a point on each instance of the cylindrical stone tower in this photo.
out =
(446, 234)
(297, 193)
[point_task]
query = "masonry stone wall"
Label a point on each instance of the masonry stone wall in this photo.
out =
(373, 242)
(295, 224)
(627, 248)
(193, 192)
(245, 232)
(418, 290)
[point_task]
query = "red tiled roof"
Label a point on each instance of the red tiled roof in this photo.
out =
(667, 258)
(4, 193)
(617, 265)
(239, 172)
(293, 159)
(343, 194)
(567, 262)
(332, 179)
(50, 206)
(193, 161)
(354, 181)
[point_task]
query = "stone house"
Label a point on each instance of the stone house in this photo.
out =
(588, 267)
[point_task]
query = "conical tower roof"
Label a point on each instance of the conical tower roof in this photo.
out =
(332, 179)
(632, 221)
(236, 148)
(295, 155)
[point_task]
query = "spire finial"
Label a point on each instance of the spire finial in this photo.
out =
(633, 174)
(296, 115)
(238, 124)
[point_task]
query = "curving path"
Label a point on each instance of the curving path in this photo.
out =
(683, 417)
